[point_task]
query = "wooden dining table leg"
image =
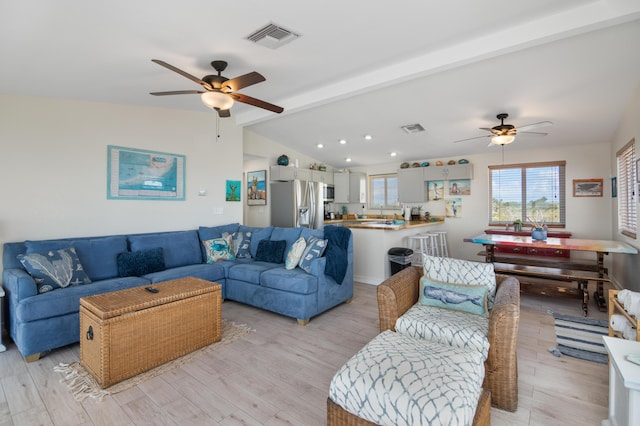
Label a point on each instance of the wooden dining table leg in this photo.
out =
(598, 295)
(583, 286)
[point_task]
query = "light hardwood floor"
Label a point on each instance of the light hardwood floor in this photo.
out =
(281, 373)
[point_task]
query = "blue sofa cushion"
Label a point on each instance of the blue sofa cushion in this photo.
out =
(257, 235)
(213, 272)
(55, 269)
(211, 232)
(290, 235)
(271, 251)
(315, 248)
(180, 248)
(249, 271)
(98, 255)
(138, 263)
(290, 280)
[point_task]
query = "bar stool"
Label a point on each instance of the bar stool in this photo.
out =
(424, 244)
(441, 243)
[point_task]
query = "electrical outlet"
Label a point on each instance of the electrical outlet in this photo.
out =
(218, 210)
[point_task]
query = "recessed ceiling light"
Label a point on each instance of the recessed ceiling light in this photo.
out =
(320, 145)
(348, 160)
(393, 154)
(343, 141)
(368, 137)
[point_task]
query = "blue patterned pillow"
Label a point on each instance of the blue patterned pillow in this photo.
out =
(315, 249)
(54, 269)
(459, 297)
(142, 262)
(295, 253)
(271, 251)
(240, 244)
(218, 249)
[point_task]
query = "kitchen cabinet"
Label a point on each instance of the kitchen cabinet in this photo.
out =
(350, 187)
(289, 173)
(446, 172)
(322, 177)
(411, 187)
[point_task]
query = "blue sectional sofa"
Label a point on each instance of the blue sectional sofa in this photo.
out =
(39, 322)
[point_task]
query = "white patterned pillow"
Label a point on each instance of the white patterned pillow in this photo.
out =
(446, 326)
(295, 253)
(54, 269)
(396, 380)
(240, 242)
(460, 271)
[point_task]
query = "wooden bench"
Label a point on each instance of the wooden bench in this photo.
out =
(582, 277)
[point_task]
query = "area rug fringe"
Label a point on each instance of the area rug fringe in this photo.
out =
(83, 385)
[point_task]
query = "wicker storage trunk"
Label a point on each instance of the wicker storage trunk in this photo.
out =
(127, 332)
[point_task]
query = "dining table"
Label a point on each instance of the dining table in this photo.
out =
(591, 269)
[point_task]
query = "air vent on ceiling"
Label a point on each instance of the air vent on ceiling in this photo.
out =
(272, 36)
(413, 128)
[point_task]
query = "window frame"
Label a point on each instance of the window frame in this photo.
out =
(523, 167)
(627, 185)
(384, 176)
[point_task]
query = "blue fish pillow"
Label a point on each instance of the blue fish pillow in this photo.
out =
(460, 297)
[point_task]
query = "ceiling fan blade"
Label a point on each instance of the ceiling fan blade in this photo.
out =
(177, 92)
(224, 113)
(243, 81)
(256, 102)
(535, 134)
(534, 126)
(469, 139)
(182, 73)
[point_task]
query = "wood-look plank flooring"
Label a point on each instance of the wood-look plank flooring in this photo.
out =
(280, 375)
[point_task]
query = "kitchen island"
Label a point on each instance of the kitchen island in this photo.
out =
(372, 239)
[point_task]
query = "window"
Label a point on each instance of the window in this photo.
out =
(528, 192)
(383, 190)
(627, 210)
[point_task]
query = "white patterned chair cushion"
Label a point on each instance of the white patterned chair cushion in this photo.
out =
(397, 380)
(447, 327)
(460, 271)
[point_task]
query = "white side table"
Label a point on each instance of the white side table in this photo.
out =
(624, 383)
(2, 347)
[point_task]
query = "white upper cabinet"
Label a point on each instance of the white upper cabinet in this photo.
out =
(446, 172)
(350, 187)
(411, 185)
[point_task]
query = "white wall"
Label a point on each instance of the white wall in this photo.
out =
(586, 217)
(626, 267)
(54, 169)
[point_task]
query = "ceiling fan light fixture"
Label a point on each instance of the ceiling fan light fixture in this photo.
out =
(502, 140)
(217, 100)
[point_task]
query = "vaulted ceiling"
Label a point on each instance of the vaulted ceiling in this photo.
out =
(358, 67)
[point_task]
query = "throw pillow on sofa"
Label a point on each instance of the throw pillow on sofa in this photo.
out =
(315, 249)
(240, 243)
(294, 254)
(218, 249)
(141, 262)
(54, 269)
(271, 251)
(460, 297)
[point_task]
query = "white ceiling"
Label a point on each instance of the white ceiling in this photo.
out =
(360, 67)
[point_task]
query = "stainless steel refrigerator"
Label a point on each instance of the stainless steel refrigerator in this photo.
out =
(297, 203)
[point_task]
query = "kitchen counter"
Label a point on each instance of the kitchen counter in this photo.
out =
(385, 224)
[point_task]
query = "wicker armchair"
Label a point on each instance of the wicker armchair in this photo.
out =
(400, 292)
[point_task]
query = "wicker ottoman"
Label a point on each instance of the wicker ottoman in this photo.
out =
(127, 332)
(398, 380)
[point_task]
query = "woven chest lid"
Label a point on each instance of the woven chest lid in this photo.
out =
(115, 303)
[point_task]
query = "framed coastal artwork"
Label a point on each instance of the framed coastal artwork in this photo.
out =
(435, 190)
(587, 187)
(453, 207)
(256, 188)
(460, 187)
(233, 190)
(140, 174)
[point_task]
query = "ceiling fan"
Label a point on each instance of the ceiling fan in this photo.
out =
(220, 92)
(503, 134)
